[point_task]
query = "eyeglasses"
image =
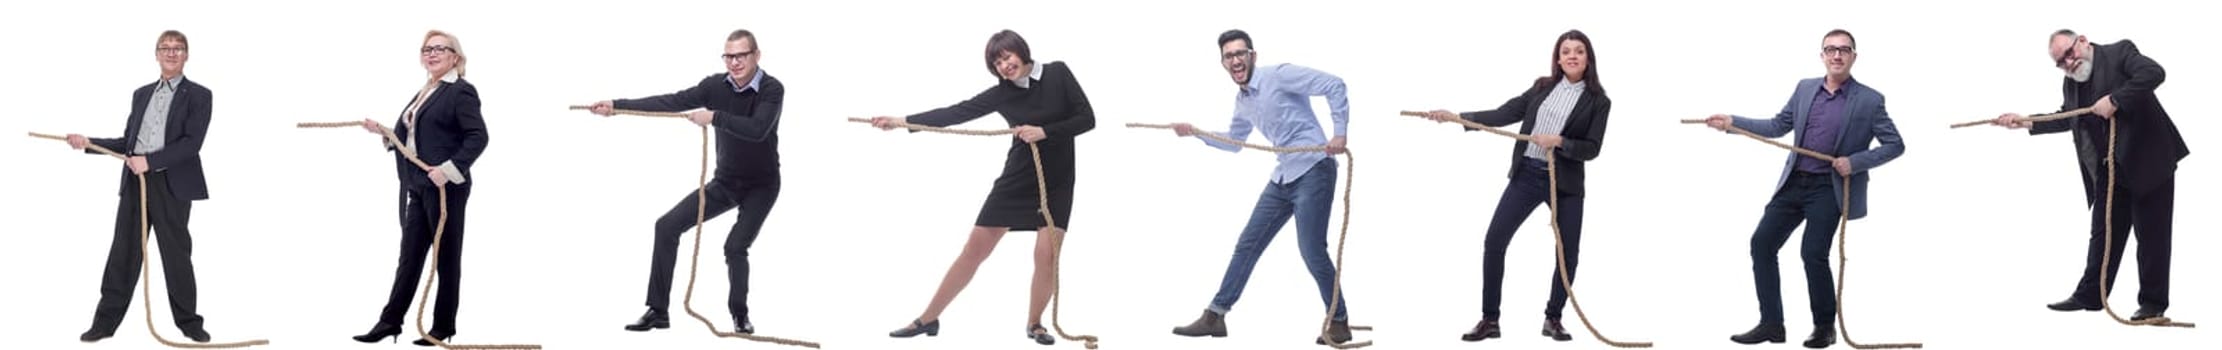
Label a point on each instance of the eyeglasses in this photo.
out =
(1837, 51)
(2065, 57)
(169, 49)
(738, 55)
(1230, 55)
(429, 49)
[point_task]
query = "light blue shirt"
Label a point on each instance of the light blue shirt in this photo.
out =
(1278, 103)
(753, 81)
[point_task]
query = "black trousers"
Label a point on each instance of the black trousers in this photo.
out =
(753, 199)
(2152, 217)
(418, 215)
(1811, 199)
(167, 217)
(1525, 192)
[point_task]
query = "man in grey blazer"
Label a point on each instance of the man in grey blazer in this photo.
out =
(1838, 116)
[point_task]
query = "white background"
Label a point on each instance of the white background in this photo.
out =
(1971, 232)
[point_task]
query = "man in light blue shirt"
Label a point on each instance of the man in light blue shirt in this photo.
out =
(1276, 101)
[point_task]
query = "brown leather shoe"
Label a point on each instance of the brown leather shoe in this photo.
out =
(1210, 324)
(1551, 328)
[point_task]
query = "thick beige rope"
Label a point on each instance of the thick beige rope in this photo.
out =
(701, 214)
(1558, 241)
(2107, 256)
(1056, 250)
(1350, 170)
(147, 288)
(2031, 119)
(1844, 209)
(438, 231)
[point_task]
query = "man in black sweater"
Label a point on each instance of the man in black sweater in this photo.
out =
(743, 105)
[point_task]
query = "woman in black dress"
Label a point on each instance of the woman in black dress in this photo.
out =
(1044, 106)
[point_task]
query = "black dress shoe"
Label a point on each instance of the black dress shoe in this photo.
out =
(95, 334)
(1770, 333)
(442, 338)
(1484, 330)
(742, 326)
(1040, 335)
(380, 331)
(197, 335)
(1551, 328)
(2073, 305)
(1823, 336)
(654, 319)
(928, 328)
(2145, 314)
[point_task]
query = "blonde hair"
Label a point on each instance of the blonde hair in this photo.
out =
(452, 43)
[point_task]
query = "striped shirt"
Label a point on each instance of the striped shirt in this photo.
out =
(1551, 119)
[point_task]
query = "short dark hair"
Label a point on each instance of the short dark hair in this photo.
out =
(169, 35)
(739, 34)
(1236, 34)
(1847, 35)
(1007, 41)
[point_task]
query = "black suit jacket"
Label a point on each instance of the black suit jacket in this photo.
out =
(1584, 132)
(2150, 146)
(449, 128)
(184, 131)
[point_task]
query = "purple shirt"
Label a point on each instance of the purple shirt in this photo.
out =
(1822, 125)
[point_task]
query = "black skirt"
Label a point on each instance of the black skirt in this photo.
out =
(1016, 201)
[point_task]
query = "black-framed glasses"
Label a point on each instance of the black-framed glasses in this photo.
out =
(169, 49)
(736, 56)
(2065, 57)
(1236, 54)
(429, 49)
(1835, 50)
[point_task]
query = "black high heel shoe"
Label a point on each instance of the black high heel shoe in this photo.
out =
(1040, 335)
(442, 338)
(916, 328)
(380, 331)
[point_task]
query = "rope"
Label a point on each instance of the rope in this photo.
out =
(701, 214)
(1844, 209)
(2106, 257)
(1350, 169)
(433, 266)
(2031, 119)
(1056, 250)
(1558, 241)
(147, 288)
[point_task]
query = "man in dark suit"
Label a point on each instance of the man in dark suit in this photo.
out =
(2117, 83)
(1838, 116)
(169, 122)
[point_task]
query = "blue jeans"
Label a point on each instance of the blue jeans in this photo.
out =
(1310, 198)
(1810, 199)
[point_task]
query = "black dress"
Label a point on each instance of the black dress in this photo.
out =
(1052, 101)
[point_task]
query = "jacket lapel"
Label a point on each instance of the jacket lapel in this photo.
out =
(172, 124)
(1803, 107)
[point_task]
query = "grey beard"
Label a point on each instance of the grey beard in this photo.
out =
(2082, 73)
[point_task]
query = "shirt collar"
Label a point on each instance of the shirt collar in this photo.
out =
(1251, 87)
(754, 81)
(1034, 74)
(451, 76)
(1565, 84)
(170, 83)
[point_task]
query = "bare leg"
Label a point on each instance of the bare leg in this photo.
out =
(960, 274)
(1045, 270)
